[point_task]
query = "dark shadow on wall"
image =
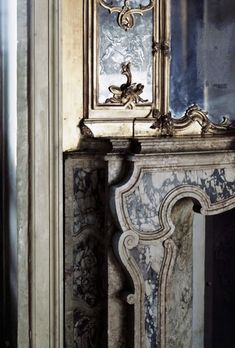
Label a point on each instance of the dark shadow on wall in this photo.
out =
(220, 280)
(8, 231)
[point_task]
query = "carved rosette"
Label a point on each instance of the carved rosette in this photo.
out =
(163, 46)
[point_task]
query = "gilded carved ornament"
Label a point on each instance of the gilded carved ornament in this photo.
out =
(126, 19)
(128, 94)
(194, 119)
(163, 46)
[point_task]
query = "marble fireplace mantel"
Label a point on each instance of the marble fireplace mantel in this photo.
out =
(164, 172)
(145, 180)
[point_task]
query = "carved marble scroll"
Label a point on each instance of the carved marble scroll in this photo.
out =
(142, 206)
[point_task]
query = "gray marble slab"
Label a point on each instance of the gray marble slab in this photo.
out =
(143, 202)
(84, 254)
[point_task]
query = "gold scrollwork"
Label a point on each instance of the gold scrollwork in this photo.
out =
(126, 19)
(195, 121)
(128, 94)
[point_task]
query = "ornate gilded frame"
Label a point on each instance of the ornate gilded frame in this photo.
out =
(115, 119)
(144, 119)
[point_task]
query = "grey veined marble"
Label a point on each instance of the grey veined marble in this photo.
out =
(87, 188)
(144, 201)
(149, 260)
(84, 254)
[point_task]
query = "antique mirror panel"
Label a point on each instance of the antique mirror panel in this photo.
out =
(122, 73)
(148, 61)
(203, 55)
(120, 45)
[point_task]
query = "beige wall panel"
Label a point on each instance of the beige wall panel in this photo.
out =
(40, 224)
(46, 183)
(72, 93)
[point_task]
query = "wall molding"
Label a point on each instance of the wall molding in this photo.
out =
(46, 172)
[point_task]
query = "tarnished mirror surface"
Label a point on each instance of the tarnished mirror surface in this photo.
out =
(118, 46)
(203, 56)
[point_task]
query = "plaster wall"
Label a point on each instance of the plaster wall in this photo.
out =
(72, 71)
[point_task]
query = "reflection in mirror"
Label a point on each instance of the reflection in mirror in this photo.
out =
(118, 46)
(203, 56)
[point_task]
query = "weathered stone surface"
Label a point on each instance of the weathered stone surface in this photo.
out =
(179, 286)
(155, 242)
(149, 259)
(119, 328)
(144, 201)
(146, 245)
(85, 269)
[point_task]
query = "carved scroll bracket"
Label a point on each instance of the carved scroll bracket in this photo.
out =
(85, 131)
(127, 241)
(126, 19)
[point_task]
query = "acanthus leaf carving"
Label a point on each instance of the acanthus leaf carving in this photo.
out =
(128, 94)
(163, 122)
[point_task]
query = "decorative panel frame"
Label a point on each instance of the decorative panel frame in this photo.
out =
(105, 119)
(141, 119)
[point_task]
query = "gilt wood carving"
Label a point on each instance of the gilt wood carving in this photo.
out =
(126, 19)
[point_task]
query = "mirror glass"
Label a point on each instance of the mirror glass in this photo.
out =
(203, 57)
(118, 46)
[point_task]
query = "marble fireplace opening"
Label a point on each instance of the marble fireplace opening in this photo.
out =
(200, 294)
(220, 280)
